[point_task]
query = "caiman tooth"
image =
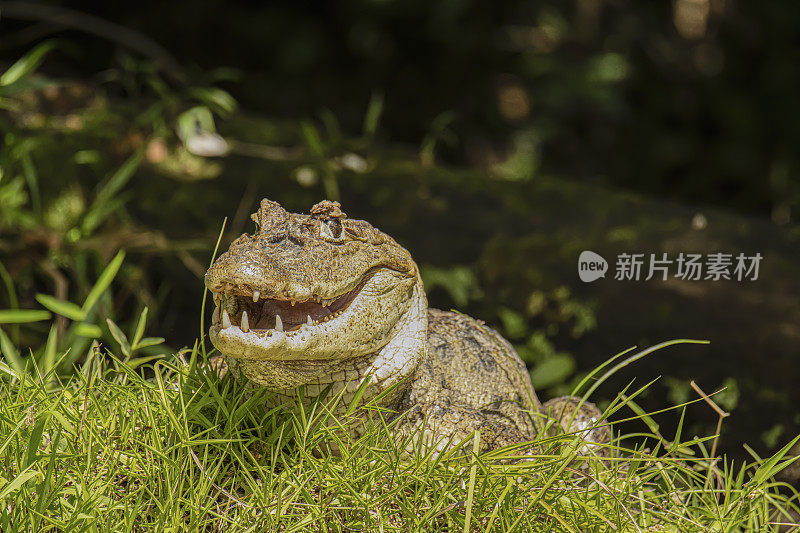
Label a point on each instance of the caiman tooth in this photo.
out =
(256, 295)
(309, 321)
(245, 324)
(292, 302)
(226, 320)
(278, 323)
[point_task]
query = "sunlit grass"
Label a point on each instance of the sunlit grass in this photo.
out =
(185, 450)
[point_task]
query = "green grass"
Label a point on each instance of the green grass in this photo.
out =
(184, 450)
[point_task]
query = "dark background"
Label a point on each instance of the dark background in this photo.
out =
(693, 99)
(551, 127)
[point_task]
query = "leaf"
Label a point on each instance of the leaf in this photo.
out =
(540, 345)
(7, 281)
(331, 124)
(770, 467)
(459, 281)
(90, 331)
(652, 425)
(139, 361)
(149, 341)
(373, 115)
(215, 97)
(99, 213)
(31, 177)
(21, 316)
(27, 63)
(439, 133)
(99, 210)
(120, 337)
(552, 371)
(12, 487)
(11, 354)
(354, 402)
(49, 357)
(609, 68)
(195, 121)
(103, 281)
(61, 307)
(36, 439)
(7, 369)
(514, 323)
(312, 138)
(120, 177)
(137, 336)
(10, 438)
(93, 362)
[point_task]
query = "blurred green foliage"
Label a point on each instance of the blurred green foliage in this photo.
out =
(693, 99)
(67, 163)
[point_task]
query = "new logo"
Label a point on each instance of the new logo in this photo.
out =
(591, 266)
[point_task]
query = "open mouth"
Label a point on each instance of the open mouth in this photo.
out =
(252, 313)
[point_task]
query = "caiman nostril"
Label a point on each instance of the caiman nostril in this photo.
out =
(280, 237)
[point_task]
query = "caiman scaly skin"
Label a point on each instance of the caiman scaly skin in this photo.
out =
(320, 300)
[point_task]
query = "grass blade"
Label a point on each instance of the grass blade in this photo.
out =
(10, 353)
(120, 337)
(137, 336)
(476, 439)
(21, 316)
(61, 307)
(103, 281)
(27, 63)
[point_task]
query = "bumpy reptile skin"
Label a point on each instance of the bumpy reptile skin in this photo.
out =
(322, 301)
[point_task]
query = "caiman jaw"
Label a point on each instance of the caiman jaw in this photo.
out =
(357, 322)
(263, 316)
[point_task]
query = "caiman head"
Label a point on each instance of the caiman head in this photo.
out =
(311, 287)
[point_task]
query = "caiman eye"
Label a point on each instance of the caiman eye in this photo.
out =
(335, 227)
(331, 230)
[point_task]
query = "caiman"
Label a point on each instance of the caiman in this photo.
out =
(325, 302)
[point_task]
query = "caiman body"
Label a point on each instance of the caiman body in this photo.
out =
(325, 302)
